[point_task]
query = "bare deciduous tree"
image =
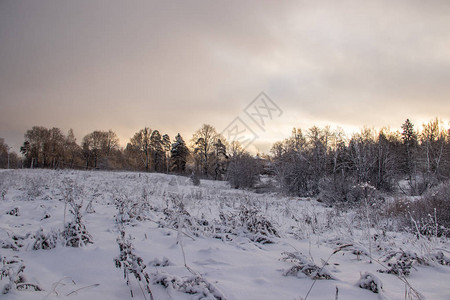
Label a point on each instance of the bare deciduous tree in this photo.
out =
(140, 145)
(203, 142)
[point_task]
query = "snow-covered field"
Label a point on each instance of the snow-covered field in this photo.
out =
(205, 242)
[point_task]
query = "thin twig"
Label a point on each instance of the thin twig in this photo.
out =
(82, 288)
(323, 266)
(402, 278)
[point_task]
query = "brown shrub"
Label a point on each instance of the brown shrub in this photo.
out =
(428, 215)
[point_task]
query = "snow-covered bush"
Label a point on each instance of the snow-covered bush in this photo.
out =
(358, 250)
(256, 224)
(440, 258)
(428, 215)
(4, 182)
(127, 259)
(15, 242)
(129, 210)
(34, 187)
(370, 282)
(177, 217)
(131, 264)
(336, 190)
(45, 241)
(432, 211)
(12, 269)
(175, 211)
(10, 244)
(194, 285)
(14, 212)
(165, 262)
(304, 265)
(181, 219)
(249, 222)
(34, 241)
(401, 262)
(195, 178)
(75, 233)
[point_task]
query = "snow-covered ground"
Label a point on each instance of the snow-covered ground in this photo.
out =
(205, 242)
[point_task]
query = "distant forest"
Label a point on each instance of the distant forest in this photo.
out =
(318, 161)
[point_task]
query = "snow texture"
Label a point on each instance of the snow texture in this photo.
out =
(117, 235)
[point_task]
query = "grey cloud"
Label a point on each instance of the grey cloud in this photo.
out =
(175, 65)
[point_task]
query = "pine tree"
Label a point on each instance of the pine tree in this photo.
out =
(409, 136)
(157, 151)
(221, 159)
(409, 139)
(166, 148)
(178, 155)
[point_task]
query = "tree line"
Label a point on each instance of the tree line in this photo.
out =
(326, 162)
(8, 159)
(147, 150)
(207, 154)
(317, 161)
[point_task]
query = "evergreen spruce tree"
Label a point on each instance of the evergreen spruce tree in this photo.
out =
(166, 147)
(178, 155)
(156, 146)
(221, 159)
(409, 139)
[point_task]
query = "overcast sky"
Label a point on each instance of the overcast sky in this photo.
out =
(174, 65)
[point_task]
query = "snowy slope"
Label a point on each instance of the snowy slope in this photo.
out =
(206, 242)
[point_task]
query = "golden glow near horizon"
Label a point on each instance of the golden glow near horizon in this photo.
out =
(173, 66)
